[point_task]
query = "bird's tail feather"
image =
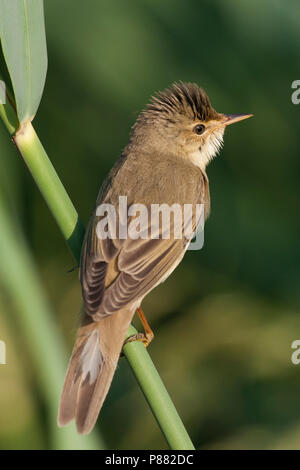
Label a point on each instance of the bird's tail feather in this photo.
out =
(91, 369)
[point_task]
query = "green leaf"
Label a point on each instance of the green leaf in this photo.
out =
(23, 39)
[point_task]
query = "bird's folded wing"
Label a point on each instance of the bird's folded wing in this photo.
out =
(141, 268)
(115, 273)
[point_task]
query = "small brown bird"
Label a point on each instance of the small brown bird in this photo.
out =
(171, 143)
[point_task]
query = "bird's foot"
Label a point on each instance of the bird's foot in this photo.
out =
(144, 338)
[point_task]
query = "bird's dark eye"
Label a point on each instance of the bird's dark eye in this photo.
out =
(199, 129)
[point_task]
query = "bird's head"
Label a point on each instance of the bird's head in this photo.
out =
(182, 121)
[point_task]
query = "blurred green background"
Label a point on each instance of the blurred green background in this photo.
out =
(226, 319)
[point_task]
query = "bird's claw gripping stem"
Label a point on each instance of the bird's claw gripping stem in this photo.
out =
(145, 337)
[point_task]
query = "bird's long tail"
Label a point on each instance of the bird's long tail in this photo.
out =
(91, 369)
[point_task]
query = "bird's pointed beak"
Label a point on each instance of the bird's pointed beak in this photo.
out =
(232, 118)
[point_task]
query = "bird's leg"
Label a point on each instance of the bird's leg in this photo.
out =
(145, 337)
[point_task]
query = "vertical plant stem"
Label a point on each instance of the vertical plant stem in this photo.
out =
(50, 186)
(157, 396)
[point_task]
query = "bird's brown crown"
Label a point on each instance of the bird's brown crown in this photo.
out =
(181, 99)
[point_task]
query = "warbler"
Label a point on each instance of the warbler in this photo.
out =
(164, 164)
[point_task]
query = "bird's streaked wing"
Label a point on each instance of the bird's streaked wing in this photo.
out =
(116, 273)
